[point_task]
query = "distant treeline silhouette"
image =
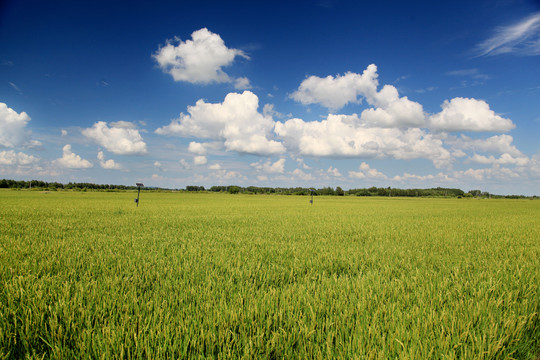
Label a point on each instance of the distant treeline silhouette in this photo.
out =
(234, 189)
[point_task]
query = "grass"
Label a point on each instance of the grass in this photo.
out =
(89, 275)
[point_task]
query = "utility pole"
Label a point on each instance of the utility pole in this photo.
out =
(139, 185)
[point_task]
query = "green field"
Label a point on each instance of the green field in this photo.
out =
(89, 275)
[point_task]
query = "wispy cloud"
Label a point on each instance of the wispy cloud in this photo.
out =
(15, 87)
(522, 38)
(473, 73)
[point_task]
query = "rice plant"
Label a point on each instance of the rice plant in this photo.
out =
(90, 275)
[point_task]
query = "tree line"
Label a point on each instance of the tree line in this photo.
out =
(372, 191)
(44, 185)
(235, 189)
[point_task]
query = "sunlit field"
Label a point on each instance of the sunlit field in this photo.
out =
(90, 275)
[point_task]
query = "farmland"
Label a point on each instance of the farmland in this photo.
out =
(89, 275)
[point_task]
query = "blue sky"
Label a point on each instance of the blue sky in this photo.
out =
(272, 93)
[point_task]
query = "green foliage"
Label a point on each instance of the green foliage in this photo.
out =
(234, 189)
(194, 188)
(186, 275)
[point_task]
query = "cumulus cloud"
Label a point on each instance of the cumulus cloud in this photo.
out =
(269, 167)
(302, 175)
(16, 158)
(504, 159)
(107, 164)
(366, 172)
(534, 165)
(223, 174)
(214, 167)
(184, 164)
(464, 114)
(406, 177)
(12, 127)
(333, 172)
(390, 110)
(71, 160)
(498, 144)
(336, 92)
(199, 60)
(301, 162)
(522, 38)
(346, 136)
(495, 172)
(200, 160)
(242, 83)
(236, 122)
(197, 148)
(123, 140)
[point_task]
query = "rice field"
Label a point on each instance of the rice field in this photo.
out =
(90, 275)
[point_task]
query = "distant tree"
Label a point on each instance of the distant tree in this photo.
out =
(233, 189)
(475, 192)
(339, 191)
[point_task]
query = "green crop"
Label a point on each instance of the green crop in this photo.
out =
(90, 275)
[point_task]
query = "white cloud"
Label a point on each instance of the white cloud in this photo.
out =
(392, 110)
(498, 144)
(333, 172)
(214, 167)
(227, 175)
(184, 164)
(269, 167)
(534, 166)
(12, 127)
(123, 124)
(13, 158)
(199, 60)
(197, 148)
(242, 83)
(71, 160)
(522, 38)
(366, 172)
(336, 92)
(118, 140)
(64, 132)
(407, 176)
(301, 162)
(107, 164)
(200, 160)
(344, 136)
(236, 122)
(269, 111)
(302, 175)
(14, 86)
(504, 159)
(496, 172)
(464, 114)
